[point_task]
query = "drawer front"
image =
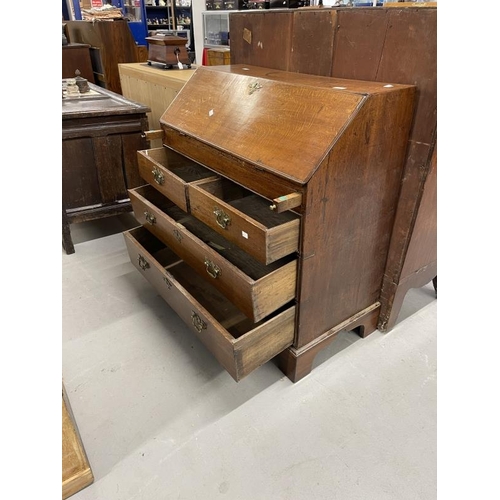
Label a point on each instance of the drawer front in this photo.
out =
(170, 173)
(245, 218)
(240, 354)
(256, 298)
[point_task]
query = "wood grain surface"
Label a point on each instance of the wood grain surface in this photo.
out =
(76, 471)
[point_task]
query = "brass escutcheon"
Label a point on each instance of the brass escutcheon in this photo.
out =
(150, 218)
(198, 323)
(158, 175)
(143, 263)
(252, 87)
(222, 219)
(212, 269)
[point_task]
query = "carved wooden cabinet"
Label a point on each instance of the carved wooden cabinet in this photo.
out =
(267, 213)
(101, 132)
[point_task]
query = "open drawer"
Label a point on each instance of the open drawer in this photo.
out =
(256, 289)
(239, 345)
(170, 173)
(244, 218)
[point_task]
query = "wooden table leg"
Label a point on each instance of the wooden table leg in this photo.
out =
(67, 241)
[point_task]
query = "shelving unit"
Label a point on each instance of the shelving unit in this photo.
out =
(155, 13)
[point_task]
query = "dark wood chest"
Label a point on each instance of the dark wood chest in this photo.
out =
(267, 213)
(101, 133)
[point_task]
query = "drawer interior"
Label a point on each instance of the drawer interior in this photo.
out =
(249, 265)
(246, 202)
(224, 311)
(182, 167)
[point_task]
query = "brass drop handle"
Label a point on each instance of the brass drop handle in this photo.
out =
(222, 219)
(143, 263)
(198, 323)
(158, 176)
(150, 218)
(212, 269)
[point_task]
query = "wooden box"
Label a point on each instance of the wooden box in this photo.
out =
(289, 219)
(398, 45)
(168, 50)
(101, 132)
(218, 56)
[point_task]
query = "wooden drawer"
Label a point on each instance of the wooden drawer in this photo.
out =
(244, 218)
(170, 173)
(256, 289)
(239, 345)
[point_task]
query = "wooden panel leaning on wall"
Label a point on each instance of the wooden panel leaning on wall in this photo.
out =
(76, 471)
(111, 43)
(396, 45)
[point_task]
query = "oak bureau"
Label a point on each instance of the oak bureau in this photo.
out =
(267, 213)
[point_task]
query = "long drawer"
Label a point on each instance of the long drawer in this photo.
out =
(256, 289)
(239, 344)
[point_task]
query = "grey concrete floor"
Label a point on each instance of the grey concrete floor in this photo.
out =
(160, 419)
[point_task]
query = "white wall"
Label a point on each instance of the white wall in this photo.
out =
(197, 7)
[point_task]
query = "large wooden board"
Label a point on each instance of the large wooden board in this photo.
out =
(76, 471)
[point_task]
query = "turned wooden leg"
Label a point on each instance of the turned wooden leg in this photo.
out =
(67, 241)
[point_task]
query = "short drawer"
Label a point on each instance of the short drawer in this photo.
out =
(245, 218)
(170, 173)
(256, 289)
(238, 344)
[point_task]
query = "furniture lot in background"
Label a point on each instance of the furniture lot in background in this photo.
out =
(76, 56)
(111, 43)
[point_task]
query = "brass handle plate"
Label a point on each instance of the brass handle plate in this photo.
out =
(143, 263)
(158, 176)
(150, 218)
(212, 269)
(177, 235)
(167, 282)
(198, 323)
(222, 219)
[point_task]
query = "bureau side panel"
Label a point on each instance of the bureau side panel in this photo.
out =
(261, 39)
(350, 207)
